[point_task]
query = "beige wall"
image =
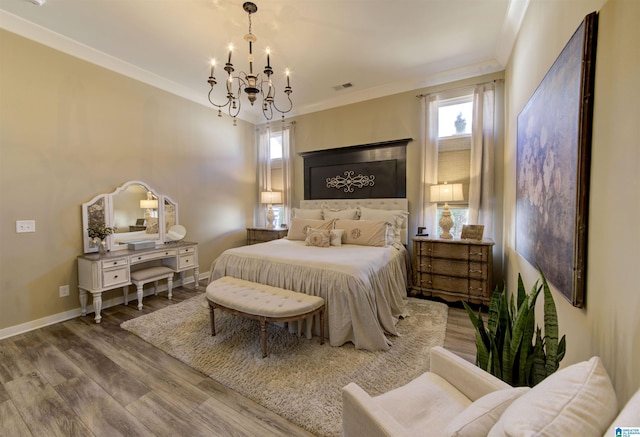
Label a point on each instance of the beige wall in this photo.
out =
(70, 130)
(609, 325)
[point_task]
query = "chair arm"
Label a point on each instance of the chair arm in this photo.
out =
(362, 416)
(469, 379)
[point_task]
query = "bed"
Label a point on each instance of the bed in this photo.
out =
(364, 286)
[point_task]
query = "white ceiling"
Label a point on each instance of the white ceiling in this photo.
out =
(382, 47)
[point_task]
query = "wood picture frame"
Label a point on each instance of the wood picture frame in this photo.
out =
(553, 163)
(472, 232)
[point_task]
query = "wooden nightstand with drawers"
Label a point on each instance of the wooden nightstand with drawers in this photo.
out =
(453, 270)
(261, 235)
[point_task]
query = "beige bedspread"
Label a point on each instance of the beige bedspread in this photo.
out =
(364, 287)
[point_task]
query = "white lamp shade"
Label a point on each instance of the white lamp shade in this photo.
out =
(149, 204)
(446, 192)
(271, 197)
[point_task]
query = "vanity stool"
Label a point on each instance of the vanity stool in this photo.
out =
(144, 276)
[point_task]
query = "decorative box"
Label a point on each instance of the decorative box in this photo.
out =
(137, 245)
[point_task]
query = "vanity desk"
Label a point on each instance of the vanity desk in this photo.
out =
(98, 273)
(162, 238)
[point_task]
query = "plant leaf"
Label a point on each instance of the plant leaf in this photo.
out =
(550, 327)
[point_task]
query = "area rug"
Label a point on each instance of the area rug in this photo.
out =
(300, 379)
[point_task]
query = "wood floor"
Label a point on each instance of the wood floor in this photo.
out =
(78, 378)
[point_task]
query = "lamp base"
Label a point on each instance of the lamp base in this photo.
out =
(446, 223)
(270, 217)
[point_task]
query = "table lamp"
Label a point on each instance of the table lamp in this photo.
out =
(446, 193)
(269, 198)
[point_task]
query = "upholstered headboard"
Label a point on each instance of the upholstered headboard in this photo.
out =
(385, 204)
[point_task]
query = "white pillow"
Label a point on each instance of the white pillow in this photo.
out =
(318, 237)
(315, 214)
(348, 213)
(336, 237)
(299, 227)
(396, 218)
(478, 418)
(577, 400)
(363, 232)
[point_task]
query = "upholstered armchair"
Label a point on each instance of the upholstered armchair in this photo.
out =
(456, 398)
(428, 403)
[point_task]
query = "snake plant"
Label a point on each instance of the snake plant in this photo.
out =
(511, 346)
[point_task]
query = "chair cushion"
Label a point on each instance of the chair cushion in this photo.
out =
(150, 273)
(478, 418)
(433, 404)
(577, 400)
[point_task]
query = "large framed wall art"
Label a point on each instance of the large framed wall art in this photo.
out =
(553, 163)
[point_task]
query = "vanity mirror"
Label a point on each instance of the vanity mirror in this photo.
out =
(138, 213)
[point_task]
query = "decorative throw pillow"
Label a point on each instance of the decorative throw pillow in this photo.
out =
(396, 218)
(336, 237)
(318, 237)
(315, 214)
(152, 225)
(478, 418)
(576, 400)
(299, 227)
(348, 213)
(363, 232)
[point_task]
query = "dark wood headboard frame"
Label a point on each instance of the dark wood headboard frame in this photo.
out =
(376, 170)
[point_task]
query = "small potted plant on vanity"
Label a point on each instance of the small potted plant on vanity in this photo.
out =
(98, 232)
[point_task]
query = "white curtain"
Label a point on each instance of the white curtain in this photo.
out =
(264, 172)
(429, 168)
(288, 150)
(264, 169)
(481, 183)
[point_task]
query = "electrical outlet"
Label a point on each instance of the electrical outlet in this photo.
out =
(64, 290)
(25, 226)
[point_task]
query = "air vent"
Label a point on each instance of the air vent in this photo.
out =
(343, 86)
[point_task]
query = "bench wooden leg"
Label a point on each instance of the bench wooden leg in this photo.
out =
(322, 326)
(263, 334)
(213, 320)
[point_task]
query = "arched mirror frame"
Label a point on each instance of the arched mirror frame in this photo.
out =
(100, 209)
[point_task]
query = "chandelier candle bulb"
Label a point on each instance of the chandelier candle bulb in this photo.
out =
(230, 51)
(268, 57)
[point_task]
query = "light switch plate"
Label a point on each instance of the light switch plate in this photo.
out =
(25, 226)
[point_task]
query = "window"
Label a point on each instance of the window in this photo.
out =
(454, 154)
(455, 116)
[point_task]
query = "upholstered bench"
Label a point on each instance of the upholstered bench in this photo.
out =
(263, 303)
(144, 276)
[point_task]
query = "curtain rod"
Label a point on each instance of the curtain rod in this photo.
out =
(461, 87)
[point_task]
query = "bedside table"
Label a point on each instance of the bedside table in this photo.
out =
(453, 269)
(260, 235)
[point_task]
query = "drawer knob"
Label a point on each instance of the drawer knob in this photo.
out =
(115, 277)
(139, 257)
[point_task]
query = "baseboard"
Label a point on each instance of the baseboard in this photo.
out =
(76, 312)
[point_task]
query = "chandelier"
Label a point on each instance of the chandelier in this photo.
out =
(252, 84)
